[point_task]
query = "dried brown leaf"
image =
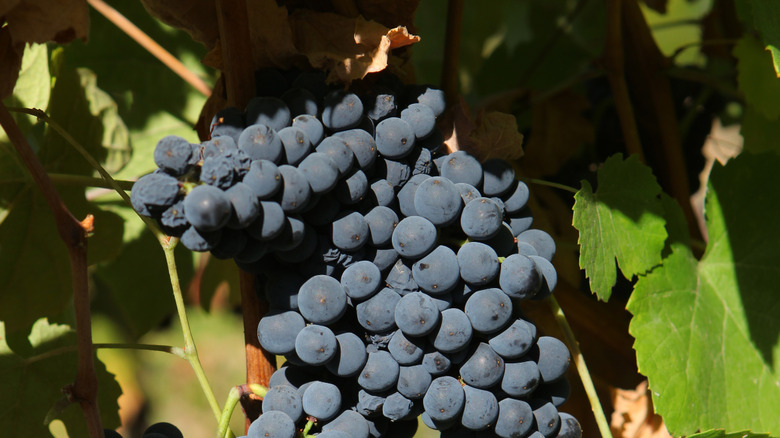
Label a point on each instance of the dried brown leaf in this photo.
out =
(196, 17)
(558, 130)
(389, 13)
(271, 35)
(496, 136)
(634, 416)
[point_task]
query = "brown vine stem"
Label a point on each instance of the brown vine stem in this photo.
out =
(450, 67)
(238, 71)
(150, 45)
(74, 234)
(614, 63)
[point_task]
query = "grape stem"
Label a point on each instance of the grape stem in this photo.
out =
(582, 368)
(307, 429)
(190, 351)
(234, 396)
(555, 185)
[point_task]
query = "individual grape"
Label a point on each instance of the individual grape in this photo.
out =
(278, 329)
(263, 178)
(173, 217)
(429, 96)
(349, 231)
(478, 263)
(438, 200)
(400, 278)
(380, 372)
(553, 358)
(421, 119)
(517, 200)
(467, 192)
(236, 244)
(351, 356)
(245, 206)
(154, 193)
(504, 242)
(520, 378)
(377, 314)
(301, 251)
(269, 111)
(352, 189)
(166, 430)
(384, 259)
(397, 173)
(460, 167)
(413, 381)
(405, 351)
(341, 110)
(320, 171)
(311, 126)
(218, 171)
(315, 344)
(260, 142)
(272, 424)
(291, 236)
(519, 222)
(336, 148)
(362, 145)
(228, 121)
(381, 223)
(414, 237)
(397, 407)
(498, 177)
(436, 363)
(519, 278)
(454, 333)
(437, 272)
(421, 161)
(394, 138)
(207, 208)
(322, 300)
(556, 392)
(480, 409)
(416, 314)
(407, 193)
(289, 375)
(382, 193)
(361, 280)
(369, 404)
(549, 276)
(488, 310)
(380, 105)
(484, 368)
(296, 192)
(322, 400)
(295, 143)
(544, 244)
(300, 101)
(515, 341)
(570, 427)
(437, 425)
(350, 422)
(200, 241)
(173, 154)
(269, 224)
(481, 219)
(547, 419)
(515, 418)
(445, 399)
(432, 143)
(285, 399)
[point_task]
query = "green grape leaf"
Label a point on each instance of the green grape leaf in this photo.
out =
(134, 289)
(31, 384)
(622, 221)
(707, 331)
(722, 434)
(219, 274)
(764, 16)
(759, 133)
(757, 78)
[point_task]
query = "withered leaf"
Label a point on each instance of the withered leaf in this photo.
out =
(496, 136)
(634, 416)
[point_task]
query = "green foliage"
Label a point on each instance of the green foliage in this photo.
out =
(622, 221)
(764, 16)
(716, 314)
(34, 376)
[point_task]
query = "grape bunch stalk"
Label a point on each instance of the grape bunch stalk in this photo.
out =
(394, 271)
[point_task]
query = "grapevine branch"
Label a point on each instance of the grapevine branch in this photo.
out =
(150, 45)
(74, 234)
(450, 70)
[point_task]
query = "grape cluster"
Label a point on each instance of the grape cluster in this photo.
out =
(157, 430)
(394, 271)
